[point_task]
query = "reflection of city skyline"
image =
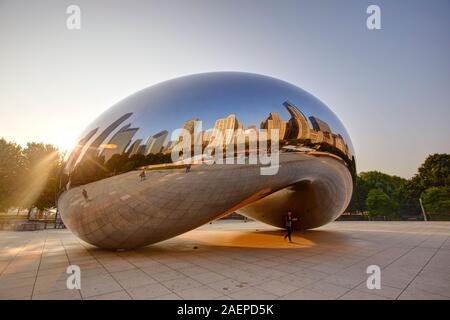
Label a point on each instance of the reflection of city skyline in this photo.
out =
(297, 129)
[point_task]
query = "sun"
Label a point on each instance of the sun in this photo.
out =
(65, 142)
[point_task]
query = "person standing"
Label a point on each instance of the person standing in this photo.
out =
(85, 195)
(142, 175)
(289, 220)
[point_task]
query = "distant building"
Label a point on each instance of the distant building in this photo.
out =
(274, 122)
(340, 144)
(319, 125)
(71, 161)
(328, 138)
(168, 147)
(155, 144)
(93, 148)
(119, 142)
(200, 137)
(190, 126)
(226, 127)
(141, 149)
(298, 127)
(134, 148)
(230, 122)
(316, 136)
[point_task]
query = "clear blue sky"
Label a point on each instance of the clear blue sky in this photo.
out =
(390, 87)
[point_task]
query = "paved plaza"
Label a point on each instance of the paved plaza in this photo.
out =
(236, 260)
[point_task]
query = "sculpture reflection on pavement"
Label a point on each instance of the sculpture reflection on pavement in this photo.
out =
(188, 120)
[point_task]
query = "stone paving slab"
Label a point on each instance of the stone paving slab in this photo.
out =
(236, 260)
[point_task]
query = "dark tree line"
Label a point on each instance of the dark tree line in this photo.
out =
(380, 194)
(95, 168)
(30, 176)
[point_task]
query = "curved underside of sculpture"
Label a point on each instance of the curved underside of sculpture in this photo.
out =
(124, 212)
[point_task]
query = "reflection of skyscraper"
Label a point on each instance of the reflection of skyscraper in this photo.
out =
(191, 126)
(340, 144)
(79, 147)
(93, 147)
(134, 148)
(200, 137)
(119, 141)
(229, 122)
(206, 136)
(274, 122)
(327, 138)
(319, 125)
(316, 136)
(226, 127)
(297, 127)
(168, 146)
(251, 133)
(155, 144)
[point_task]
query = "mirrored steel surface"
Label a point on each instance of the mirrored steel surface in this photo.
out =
(142, 131)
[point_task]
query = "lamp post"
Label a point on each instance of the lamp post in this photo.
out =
(423, 210)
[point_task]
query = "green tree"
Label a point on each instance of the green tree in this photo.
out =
(435, 171)
(408, 197)
(367, 181)
(357, 202)
(11, 164)
(378, 203)
(436, 200)
(40, 176)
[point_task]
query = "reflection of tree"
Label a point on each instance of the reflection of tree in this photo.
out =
(91, 169)
(95, 168)
(120, 163)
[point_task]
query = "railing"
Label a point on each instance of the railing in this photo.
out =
(29, 225)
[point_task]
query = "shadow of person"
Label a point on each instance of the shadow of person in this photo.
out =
(230, 240)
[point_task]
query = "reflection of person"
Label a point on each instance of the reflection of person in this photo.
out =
(188, 168)
(58, 222)
(142, 175)
(289, 220)
(85, 195)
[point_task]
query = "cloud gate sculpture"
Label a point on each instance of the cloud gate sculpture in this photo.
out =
(183, 152)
